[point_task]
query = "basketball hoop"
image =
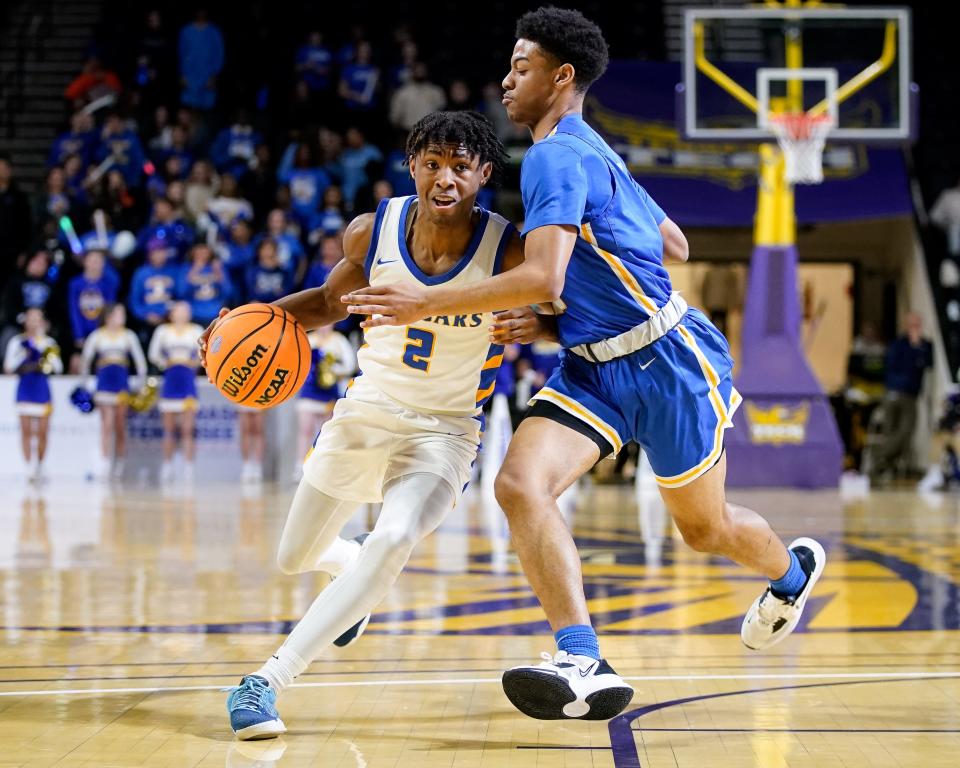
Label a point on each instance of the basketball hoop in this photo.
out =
(802, 137)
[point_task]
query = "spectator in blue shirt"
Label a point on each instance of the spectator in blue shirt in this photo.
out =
(178, 148)
(235, 147)
(307, 183)
(290, 253)
(314, 62)
(908, 359)
(123, 147)
(397, 172)
(361, 165)
(154, 287)
(31, 288)
(331, 147)
(401, 72)
(76, 173)
(267, 280)
(328, 256)
(235, 251)
(360, 80)
(329, 219)
(204, 284)
(80, 140)
(201, 59)
(87, 296)
(167, 227)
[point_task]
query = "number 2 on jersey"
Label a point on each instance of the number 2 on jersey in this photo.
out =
(419, 348)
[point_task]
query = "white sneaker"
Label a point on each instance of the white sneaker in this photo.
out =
(256, 472)
(166, 473)
(567, 686)
(771, 618)
(116, 471)
(188, 473)
(245, 476)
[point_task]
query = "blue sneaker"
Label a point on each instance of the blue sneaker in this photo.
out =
(353, 634)
(253, 710)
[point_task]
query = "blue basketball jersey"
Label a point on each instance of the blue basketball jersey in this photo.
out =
(615, 279)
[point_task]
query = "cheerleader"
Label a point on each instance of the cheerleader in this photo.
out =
(174, 350)
(33, 356)
(332, 360)
(110, 348)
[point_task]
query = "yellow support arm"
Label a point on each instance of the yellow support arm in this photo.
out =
(868, 75)
(723, 80)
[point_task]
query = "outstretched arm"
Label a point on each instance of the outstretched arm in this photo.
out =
(537, 279)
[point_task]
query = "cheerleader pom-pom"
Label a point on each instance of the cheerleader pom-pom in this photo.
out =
(82, 400)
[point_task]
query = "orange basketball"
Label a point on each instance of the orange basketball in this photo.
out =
(258, 356)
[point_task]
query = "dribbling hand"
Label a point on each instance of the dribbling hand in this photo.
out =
(202, 341)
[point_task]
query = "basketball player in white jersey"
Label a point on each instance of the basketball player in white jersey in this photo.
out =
(408, 430)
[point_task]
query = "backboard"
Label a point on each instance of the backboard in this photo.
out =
(742, 65)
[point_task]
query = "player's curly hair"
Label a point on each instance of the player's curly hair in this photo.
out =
(571, 38)
(462, 128)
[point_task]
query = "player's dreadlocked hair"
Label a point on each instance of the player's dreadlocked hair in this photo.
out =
(466, 129)
(571, 38)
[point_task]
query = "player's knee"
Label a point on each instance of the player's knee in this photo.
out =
(511, 491)
(701, 538)
(391, 547)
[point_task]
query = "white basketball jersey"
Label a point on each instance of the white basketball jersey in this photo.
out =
(444, 364)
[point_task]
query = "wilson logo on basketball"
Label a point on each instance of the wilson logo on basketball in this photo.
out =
(274, 387)
(241, 374)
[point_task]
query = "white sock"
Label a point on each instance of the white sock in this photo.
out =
(340, 554)
(282, 668)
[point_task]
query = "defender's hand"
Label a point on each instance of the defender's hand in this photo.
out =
(399, 304)
(520, 326)
(202, 341)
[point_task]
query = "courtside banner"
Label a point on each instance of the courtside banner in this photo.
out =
(633, 106)
(73, 451)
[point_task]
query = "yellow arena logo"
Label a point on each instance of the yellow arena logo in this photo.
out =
(778, 424)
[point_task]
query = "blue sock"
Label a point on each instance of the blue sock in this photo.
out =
(579, 639)
(792, 582)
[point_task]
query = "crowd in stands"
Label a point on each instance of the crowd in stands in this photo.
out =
(155, 194)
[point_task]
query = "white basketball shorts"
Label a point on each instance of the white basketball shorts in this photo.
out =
(372, 439)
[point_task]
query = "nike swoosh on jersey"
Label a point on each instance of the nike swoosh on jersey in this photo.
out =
(648, 364)
(384, 261)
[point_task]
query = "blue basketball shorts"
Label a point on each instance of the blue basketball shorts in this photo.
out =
(674, 397)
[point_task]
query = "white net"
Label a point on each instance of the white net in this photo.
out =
(802, 138)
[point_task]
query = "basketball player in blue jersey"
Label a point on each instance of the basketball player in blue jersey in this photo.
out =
(407, 431)
(640, 365)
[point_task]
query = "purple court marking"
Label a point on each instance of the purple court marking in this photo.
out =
(624, 743)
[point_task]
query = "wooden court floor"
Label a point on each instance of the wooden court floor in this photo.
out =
(125, 610)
